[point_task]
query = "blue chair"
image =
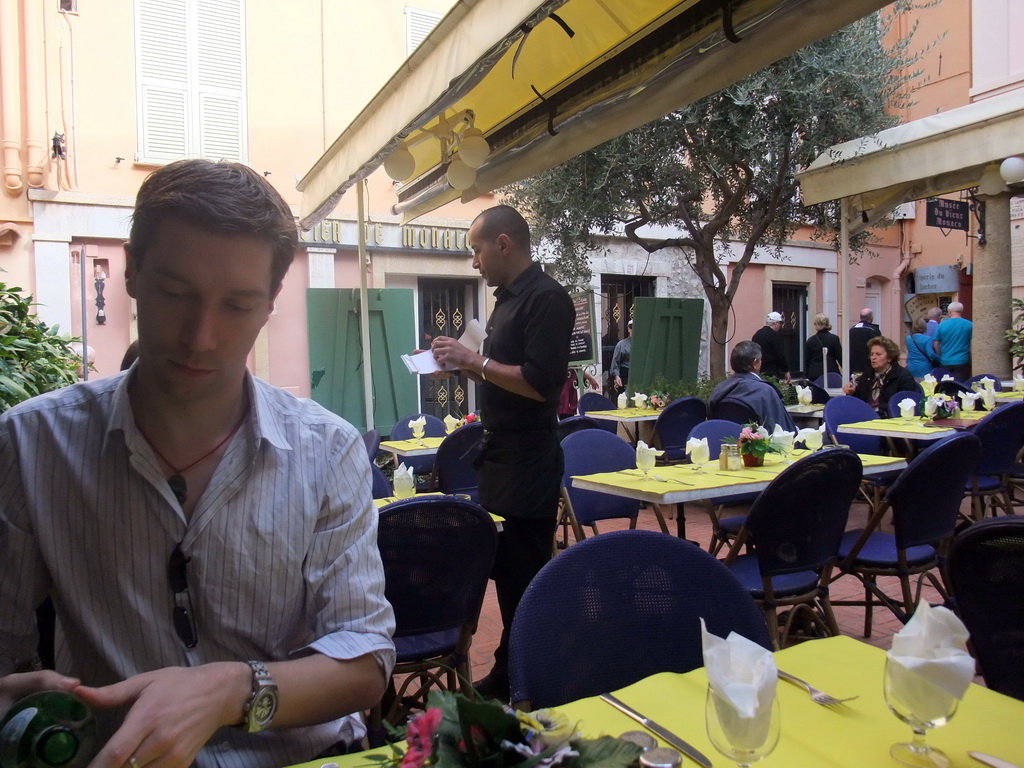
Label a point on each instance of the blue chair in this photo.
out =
(572, 424)
(371, 439)
(587, 452)
(986, 570)
(954, 390)
(434, 427)
(847, 409)
(925, 502)
(456, 459)
(795, 526)
(617, 608)
(595, 401)
(673, 425)
(1001, 434)
(895, 400)
(381, 488)
(835, 380)
(723, 529)
(977, 378)
(938, 373)
(436, 605)
(730, 409)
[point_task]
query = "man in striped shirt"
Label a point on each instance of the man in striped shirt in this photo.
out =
(208, 541)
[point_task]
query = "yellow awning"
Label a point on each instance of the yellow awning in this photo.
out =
(545, 81)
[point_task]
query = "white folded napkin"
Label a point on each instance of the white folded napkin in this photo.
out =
(450, 423)
(812, 438)
(745, 675)
(929, 665)
(698, 451)
(907, 407)
(639, 400)
(928, 385)
(988, 397)
(930, 407)
(803, 395)
(421, 422)
(947, 377)
(404, 482)
(782, 438)
(967, 400)
(1018, 382)
(623, 400)
(645, 455)
(989, 383)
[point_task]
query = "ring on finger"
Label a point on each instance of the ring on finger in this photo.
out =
(133, 761)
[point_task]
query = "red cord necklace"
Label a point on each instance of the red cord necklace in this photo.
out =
(177, 483)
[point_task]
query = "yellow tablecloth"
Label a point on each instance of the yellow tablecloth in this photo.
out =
(628, 413)
(427, 443)
(854, 735)
(913, 427)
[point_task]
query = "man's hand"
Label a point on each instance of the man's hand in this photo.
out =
(14, 687)
(173, 713)
(449, 351)
(618, 382)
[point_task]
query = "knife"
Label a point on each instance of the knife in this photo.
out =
(657, 730)
(995, 762)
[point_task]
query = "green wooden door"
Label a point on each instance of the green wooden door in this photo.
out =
(336, 357)
(666, 340)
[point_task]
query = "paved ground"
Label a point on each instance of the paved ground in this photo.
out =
(698, 527)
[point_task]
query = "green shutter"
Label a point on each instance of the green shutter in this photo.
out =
(666, 340)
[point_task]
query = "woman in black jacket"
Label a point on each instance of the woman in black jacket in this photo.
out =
(885, 379)
(823, 339)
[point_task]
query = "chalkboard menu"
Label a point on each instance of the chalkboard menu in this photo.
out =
(582, 343)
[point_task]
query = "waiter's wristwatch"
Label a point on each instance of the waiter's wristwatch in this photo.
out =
(258, 711)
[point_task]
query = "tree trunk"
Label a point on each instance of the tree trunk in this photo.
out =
(719, 334)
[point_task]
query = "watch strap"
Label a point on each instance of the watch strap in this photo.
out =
(254, 718)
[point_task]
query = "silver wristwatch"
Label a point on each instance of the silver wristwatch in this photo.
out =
(259, 710)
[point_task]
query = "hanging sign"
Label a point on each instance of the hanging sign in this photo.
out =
(582, 342)
(947, 214)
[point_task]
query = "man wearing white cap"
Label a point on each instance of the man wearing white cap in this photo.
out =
(773, 352)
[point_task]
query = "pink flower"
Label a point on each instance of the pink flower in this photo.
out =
(420, 737)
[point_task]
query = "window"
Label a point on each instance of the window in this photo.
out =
(69, 6)
(190, 71)
(418, 24)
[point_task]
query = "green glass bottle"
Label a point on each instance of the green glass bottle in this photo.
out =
(50, 729)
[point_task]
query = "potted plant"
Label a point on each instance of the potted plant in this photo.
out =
(754, 442)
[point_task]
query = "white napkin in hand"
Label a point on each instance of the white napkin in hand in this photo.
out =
(404, 482)
(907, 406)
(746, 676)
(967, 400)
(812, 438)
(929, 663)
(782, 438)
(697, 449)
(450, 423)
(803, 395)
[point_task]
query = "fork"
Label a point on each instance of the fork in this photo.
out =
(817, 696)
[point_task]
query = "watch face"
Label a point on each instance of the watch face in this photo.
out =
(263, 708)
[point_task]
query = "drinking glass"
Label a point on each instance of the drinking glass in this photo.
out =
(744, 741)
(645, 461)
(920, 712)
(417, 432)
(699, 455)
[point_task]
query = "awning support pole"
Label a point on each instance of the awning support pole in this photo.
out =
(844, 280)
(364, 310)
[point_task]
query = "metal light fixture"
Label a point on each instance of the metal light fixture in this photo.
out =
(1012, 170)
(991, 182)
(460, 175)
(463, 148)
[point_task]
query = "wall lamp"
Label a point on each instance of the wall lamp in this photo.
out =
(998, 175)
(463, 150)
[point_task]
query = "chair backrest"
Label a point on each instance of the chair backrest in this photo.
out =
(847, 409)
(574, 424)
(986, 570)
(938, 373)
(797, 522)
(616, 608)
(673, 425)
(595, 450)
(716, 431)
(381, 488)
(953, 389)
(925, 498)
(899, 397)
(978, 377)
(834, 380)
(371, 439)
(456, 458)
(1001, 434)
(595, 401)
(419, 540)
(731, 409)
(433, 427)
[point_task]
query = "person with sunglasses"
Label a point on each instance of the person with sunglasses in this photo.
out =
(208, 541)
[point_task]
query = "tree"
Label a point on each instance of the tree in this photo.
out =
(33, 357)
(721, 170)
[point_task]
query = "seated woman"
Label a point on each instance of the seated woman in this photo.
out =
(885, 379)
(823, 338)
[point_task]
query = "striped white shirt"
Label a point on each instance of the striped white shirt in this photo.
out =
(283, 548)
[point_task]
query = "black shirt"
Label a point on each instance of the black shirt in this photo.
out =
(773, 352)
(529, 327)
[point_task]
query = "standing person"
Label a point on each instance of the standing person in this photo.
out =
(885, 379)
(569, 399)
(921, 356)
(773, 351)
(934, 318)
(823, 338)
(619, 369)
(953, 342)
(746, 384)
(522, 371)
(208, 540)
(860, 334)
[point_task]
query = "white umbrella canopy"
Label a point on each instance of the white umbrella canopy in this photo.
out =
(545, 81)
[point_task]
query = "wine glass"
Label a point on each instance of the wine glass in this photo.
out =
(699, 455)
(920, 705)
(742, 740)
(784, 442)
(417, 431)
(645, 461)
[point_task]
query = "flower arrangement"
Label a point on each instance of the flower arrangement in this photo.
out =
(754, 442)
(945, 406)
(469, 418)
(455, 732)
(658, 398)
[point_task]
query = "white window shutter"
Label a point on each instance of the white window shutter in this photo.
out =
(161, 35)
(164, 134)
(221, 80)
(418, 24)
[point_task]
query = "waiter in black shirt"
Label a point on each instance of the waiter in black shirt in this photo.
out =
(526, 355)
